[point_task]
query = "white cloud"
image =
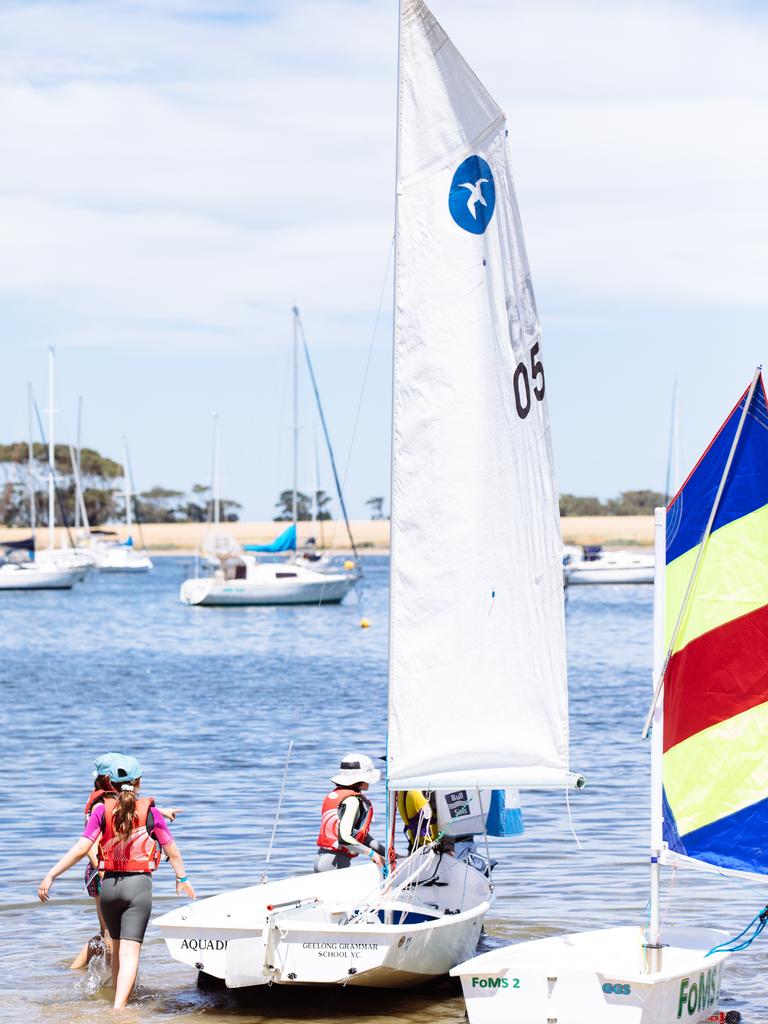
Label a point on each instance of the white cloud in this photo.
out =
(181, 178)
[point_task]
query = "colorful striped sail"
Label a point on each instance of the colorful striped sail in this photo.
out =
(715, 764)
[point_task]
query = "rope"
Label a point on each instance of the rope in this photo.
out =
(570, 816)
(279, 802)
(734, 945)
(487, 847)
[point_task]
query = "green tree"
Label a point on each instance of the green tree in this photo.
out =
(284, 505)
(322, 500)
(572, 505)
(635, 503)
(376, 506)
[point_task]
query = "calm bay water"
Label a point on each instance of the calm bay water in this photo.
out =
(209, 700)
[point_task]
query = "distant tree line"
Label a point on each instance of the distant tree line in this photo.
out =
(305, 506)
(102, 494)
(628, 503)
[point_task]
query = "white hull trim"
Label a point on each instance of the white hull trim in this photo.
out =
(595, 976)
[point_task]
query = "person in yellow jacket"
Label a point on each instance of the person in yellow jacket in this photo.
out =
(417, 809)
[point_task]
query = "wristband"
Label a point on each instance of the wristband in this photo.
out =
(372, 854)
(184, 879)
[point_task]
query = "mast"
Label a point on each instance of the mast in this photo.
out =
(127, 490)
(79, 499)
(657, 741)
(294, 502)
(316, 491)
(31, 445)
(77, 456)
(215, 473)
(326, 434)
(673, 455)
(51, 486)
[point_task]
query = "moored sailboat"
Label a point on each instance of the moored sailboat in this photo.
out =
(477, 682)
(709, 786)
(239, 577)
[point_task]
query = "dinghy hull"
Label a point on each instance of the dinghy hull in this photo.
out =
(307, 930)
(595, 976)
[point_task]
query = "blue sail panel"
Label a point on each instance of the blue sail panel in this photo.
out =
(285, 542)
(746, 488)
(737, 842)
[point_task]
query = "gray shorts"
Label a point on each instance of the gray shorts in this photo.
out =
(327, 860)
(126, 903)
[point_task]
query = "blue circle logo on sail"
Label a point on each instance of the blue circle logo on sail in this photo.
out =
(473, 195)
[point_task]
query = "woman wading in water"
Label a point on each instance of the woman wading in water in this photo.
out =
(131, 831)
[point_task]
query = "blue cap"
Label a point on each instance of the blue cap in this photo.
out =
(124, 768)
(103, 764)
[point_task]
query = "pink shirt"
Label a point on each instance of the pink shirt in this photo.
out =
(95, 826)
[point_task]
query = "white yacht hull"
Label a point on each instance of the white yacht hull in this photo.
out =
(595, 976)
(609, 569)
(319, 588)
(30, 577)
(296, 932)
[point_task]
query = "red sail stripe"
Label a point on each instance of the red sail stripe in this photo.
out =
(716, 676)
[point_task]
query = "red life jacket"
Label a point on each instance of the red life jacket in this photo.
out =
(139, 852)
(96, 796)
(329, 823)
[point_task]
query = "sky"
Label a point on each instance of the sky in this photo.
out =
(175, 175)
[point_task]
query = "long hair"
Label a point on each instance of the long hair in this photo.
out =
(124, 815)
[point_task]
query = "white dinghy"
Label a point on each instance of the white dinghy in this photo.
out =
(477, 680)
(709, 786)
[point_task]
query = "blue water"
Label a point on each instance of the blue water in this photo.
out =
(209, 699)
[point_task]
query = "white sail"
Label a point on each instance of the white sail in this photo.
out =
(478, 693)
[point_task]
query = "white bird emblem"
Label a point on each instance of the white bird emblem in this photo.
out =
(475, 195)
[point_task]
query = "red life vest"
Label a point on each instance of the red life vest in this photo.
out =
(139, 852)
(96, 796)
(329, 823)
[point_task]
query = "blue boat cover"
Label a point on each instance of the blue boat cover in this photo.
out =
(285, 542)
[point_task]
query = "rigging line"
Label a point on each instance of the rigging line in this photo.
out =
(326, 434)
(368, 359)
(670, 894)
(134, 501)
(313, 632)
(366, 371)
(700, 553)
(52, 471)
(570, 816)
(279, 802)
(487, 845)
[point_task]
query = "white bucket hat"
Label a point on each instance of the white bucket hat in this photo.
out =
(355, 768)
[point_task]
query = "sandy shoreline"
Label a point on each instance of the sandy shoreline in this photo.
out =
(370, 535)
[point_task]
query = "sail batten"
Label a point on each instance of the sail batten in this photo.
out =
(475, 614)
(716, 683)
